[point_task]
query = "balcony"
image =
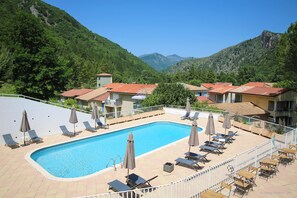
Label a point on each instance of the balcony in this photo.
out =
(113, 103)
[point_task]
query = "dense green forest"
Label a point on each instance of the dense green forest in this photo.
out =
(44, 51)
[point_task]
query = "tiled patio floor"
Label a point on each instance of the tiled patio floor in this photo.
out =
(18, 178)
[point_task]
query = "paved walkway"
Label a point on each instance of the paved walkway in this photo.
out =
(18, 178)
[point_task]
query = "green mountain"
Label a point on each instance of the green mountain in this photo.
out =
(160, 62)
(44, 50)
(257, 52)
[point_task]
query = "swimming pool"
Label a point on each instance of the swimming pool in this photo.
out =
(87, 156)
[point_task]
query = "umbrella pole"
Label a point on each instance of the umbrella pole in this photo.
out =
(73, 129)
(189, 149)
(95, 123)
(225, 131)
(24, 139)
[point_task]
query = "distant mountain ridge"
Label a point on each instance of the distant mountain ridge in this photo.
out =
(260, 51)
(160, 62)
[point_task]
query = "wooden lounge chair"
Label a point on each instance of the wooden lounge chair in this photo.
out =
(197, 157)
(9, 141)
(66, 132)
(89, 127)
(188, 163)
(34, 137)
(210, 149)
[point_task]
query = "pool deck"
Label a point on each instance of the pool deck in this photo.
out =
(18, 178)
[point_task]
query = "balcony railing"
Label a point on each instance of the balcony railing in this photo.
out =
(113, 103)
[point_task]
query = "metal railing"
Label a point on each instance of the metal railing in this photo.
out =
(194, 185)
(198, 109)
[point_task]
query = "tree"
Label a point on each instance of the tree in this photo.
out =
(169, 94)
(288, 55)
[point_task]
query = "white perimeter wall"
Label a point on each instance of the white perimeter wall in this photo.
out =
(43, 118)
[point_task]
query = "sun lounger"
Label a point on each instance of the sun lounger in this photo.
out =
(210, 149)
(188, 163)
(119, 186)
(219, 138)
(9, 141)
(196, 157)
(89, 127)
(135, 180)
(101, 125)
(195, 116)
(186, 116)
(66, 132)
(219, 145)
(34, 137)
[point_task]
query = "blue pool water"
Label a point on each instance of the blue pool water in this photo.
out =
(84, 157)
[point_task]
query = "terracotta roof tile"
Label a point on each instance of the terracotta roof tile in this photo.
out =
(93, 94)
(258, 84)
(215, 85)
(102, 97)
(75, 92)
(265, 91)
(242, 108)
(113, 85)
(133, 88)
(222, 90)
(204, 99)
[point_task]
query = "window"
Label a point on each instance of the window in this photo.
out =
(238, 98)
(271, 106)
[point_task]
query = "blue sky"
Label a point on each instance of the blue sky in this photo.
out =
(189, 28)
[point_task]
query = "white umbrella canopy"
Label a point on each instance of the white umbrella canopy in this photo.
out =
(129, 160)
(73, 118)
(210, 128)
(227, 122)
(188, 106)
(25, 126)
(95, 114)
(193, 138)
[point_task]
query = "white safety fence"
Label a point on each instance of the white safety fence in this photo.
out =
(211, 177)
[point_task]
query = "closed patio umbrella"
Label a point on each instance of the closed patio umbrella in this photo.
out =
(227, 122)
(25, 126)
(73, 118)
(193, 138)
(188, 106)
(129, 160)
(95, 114)
(210, 128)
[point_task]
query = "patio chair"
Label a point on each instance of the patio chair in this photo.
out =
(219, 145)
(210, 149)
(195, 116)
(9, 141)
(241, 186)
(135, 180)
(220, 138)
(66, 132)
(102, 125)
(188, 163)
(226, 186)
(197, 157)
(34, 137)
(89, 127)
(186, 116)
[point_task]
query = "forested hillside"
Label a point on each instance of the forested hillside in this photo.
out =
(44, 50)
(259, 52)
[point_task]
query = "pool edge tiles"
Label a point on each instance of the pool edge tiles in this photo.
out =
(92, 138)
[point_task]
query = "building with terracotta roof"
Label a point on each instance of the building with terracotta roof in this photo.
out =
(198, 91)
(204, 99)
(222, 94)
(72, 93)
(258, 84)
(281, 103)
(211, 86)
(126, 97)
(103, 79)
(244, 108)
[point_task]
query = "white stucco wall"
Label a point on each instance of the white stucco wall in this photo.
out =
(43, 118)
